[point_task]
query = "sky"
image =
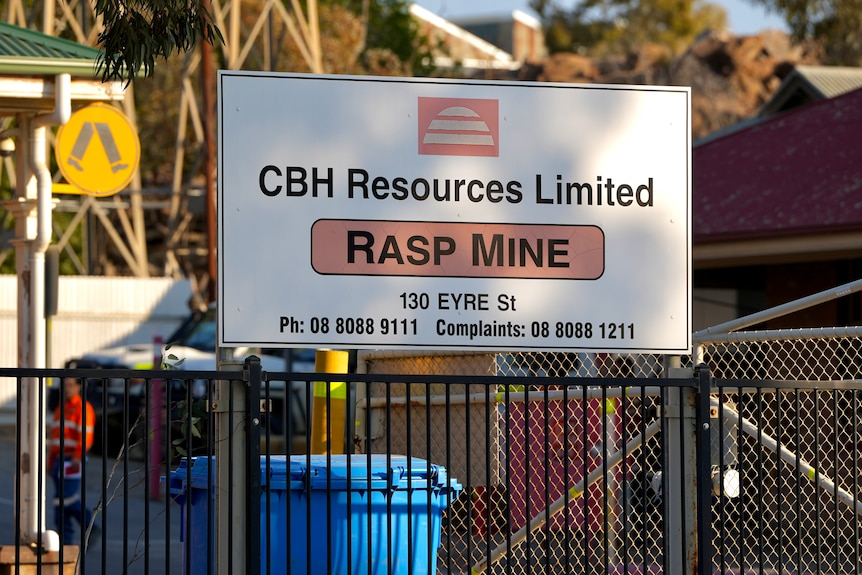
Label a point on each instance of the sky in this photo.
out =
(742, 16)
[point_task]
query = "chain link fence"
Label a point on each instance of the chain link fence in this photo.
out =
(785, 455)
(792, 408)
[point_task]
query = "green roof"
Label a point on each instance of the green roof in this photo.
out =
(811, 84)
(831, 81)
(27, 52)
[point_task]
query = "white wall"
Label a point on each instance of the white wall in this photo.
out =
(94, 313)
(713, 307)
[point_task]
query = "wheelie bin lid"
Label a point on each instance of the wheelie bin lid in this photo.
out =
(355, 472)
(334, 472)
(195, 475)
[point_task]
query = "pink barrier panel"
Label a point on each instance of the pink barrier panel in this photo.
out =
(546, 455)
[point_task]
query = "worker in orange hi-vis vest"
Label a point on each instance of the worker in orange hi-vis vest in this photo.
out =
(72, 431)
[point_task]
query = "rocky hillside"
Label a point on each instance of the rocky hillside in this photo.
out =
(730, 76)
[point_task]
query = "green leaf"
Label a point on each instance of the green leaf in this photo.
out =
(136, 34)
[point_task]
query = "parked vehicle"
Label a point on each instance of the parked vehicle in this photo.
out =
(192, 347)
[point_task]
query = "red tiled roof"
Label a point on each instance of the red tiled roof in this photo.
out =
(797, 173)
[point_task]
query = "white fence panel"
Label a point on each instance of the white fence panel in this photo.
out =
(94, 313)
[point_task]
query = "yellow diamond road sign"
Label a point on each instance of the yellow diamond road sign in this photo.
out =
(98, 150)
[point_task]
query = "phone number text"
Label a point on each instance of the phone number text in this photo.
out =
(349, 325)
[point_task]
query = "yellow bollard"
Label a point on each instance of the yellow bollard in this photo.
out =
(327, 428)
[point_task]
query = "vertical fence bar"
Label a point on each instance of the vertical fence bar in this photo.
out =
(309, 395)
(622, 409)
(818, 511)
(779, 482)
(125, 451)
(545, 538)
(82, 488)
(528, 479)
(857, 556)
(432, 559)
(607, 505)
(687, 496)
(369, 524)
(168, 446)
(643, 482)
(389, 419)
(186, 437)
(758, 410)
(674, 484)
(348, 450)
(507, 439)
(704, 382)
(252, 469)
(212, 421)
(585, 499)
(266, 536)
(408, 451)
(153, 438)
(722, 502)
(490, 501)
(37, 452)
(798, 482)
(836, 509)
(19, 438)
(567, 481)
(744, 490)
(225, 505)
(152, 487)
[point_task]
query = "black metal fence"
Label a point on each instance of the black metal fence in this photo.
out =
(213, 472)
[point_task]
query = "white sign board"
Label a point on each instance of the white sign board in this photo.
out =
(366, 212)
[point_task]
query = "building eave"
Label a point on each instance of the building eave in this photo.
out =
(20, 94)
(48, 67)
(842, 245)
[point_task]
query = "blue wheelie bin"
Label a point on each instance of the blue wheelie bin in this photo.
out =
(374, 515)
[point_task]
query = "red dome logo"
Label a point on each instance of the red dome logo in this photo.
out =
(459, 127)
